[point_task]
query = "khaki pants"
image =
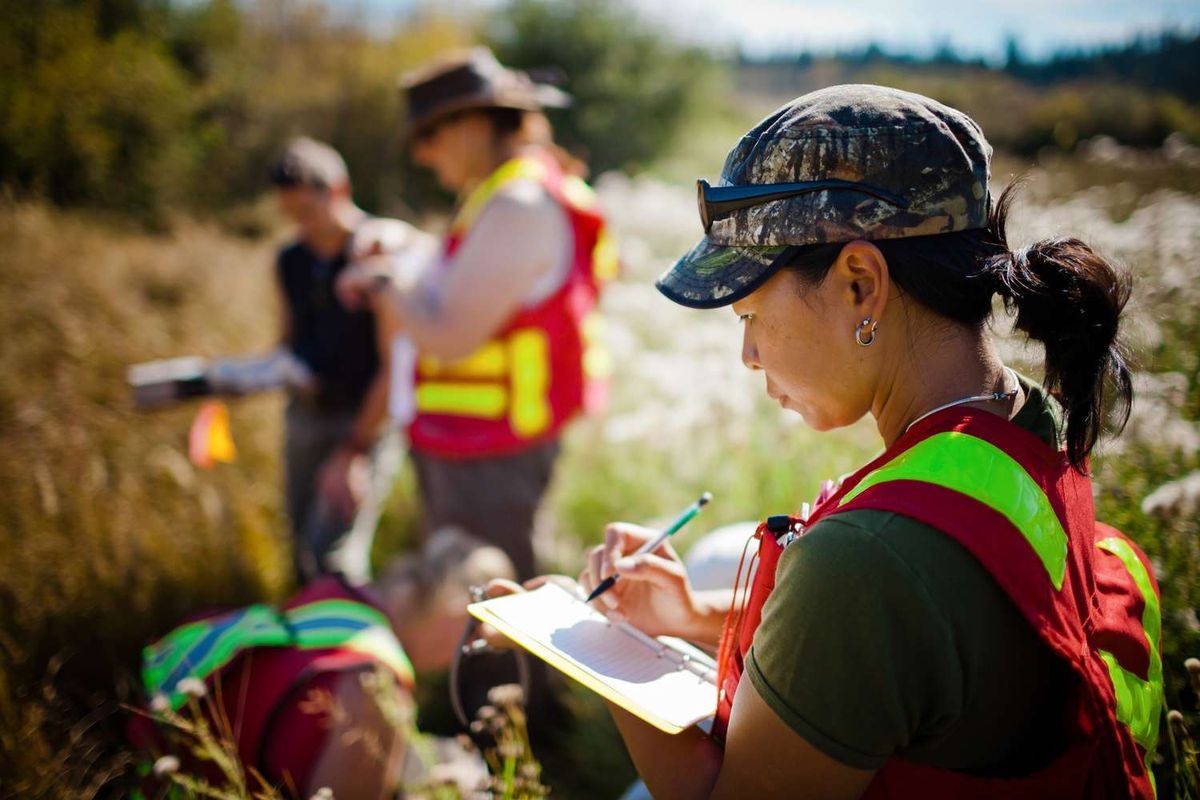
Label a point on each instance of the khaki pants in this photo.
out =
(494, 498)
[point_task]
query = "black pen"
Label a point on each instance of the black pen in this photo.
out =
(681, 520)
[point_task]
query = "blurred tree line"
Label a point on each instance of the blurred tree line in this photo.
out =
(139, 106)
(1137, 93)
(1168, 62)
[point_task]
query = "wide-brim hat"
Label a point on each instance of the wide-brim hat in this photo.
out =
(472, 79)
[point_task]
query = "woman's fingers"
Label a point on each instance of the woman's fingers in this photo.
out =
(499, 587)
(621, 539)
(595, 565)
(653, 569)
(494, 638)
(589, 578)
(610, 551)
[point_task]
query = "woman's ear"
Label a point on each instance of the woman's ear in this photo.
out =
(865, 277)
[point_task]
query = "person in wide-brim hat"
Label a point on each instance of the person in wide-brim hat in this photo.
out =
(498, 320)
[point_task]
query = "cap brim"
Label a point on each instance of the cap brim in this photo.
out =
(712, 276)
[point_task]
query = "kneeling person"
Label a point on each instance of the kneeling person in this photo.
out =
(286, 683)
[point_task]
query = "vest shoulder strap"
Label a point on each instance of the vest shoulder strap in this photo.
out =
(976, 468)
(1128, 633)
(523, 167)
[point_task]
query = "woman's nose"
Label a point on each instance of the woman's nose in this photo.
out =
(749, 350)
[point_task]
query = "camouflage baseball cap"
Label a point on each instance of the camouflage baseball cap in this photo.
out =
(839, 164)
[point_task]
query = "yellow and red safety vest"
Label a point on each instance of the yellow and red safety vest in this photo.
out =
(1019, 508)
(546, 363)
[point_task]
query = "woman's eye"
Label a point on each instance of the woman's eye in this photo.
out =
(743, 318)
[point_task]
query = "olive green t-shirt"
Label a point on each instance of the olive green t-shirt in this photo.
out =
(885, 636)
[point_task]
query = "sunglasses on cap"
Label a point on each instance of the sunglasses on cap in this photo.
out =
(716, 201)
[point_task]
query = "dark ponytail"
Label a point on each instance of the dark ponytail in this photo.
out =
(1064, 294)
(1069, 298)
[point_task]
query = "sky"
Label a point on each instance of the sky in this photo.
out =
(971, 27)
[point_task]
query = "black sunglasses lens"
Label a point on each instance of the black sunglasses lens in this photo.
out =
(702, 202)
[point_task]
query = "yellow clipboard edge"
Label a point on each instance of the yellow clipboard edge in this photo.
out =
(569, 668)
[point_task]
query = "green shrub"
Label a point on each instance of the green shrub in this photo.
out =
(85, 118)
(632, 86)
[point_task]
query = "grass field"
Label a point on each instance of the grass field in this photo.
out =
(110, 535)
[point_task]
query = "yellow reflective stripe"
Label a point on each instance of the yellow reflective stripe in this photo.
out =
(524, 359)
(597, 363)
(578, 193)
(1138, 701)
(489, 361)
(530, 353)
(519, 168)
(381, 644)
(984, 472)
(605, 259)
(487, 401)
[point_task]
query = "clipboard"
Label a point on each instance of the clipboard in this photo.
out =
(662, 680)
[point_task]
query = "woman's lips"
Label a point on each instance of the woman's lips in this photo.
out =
(776, 395)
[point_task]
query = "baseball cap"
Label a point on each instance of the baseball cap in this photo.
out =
(839, 164)
(307, 162)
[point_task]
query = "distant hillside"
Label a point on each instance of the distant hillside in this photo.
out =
(1166, 63)
(1138, 94)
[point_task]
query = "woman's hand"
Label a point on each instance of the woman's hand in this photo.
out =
(653, 593)
(501, 587)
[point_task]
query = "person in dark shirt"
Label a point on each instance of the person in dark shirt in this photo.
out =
(331, 434)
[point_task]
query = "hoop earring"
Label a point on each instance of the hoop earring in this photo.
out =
(858, 332)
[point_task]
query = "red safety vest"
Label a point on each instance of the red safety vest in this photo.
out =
(1089, 592)
(545, 364)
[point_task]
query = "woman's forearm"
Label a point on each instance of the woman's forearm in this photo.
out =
(681, 766)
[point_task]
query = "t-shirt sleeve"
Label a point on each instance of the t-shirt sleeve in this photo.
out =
(853, 653)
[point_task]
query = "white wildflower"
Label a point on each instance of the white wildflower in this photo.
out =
(166, 765)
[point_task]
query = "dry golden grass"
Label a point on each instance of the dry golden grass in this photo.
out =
(110, 534)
